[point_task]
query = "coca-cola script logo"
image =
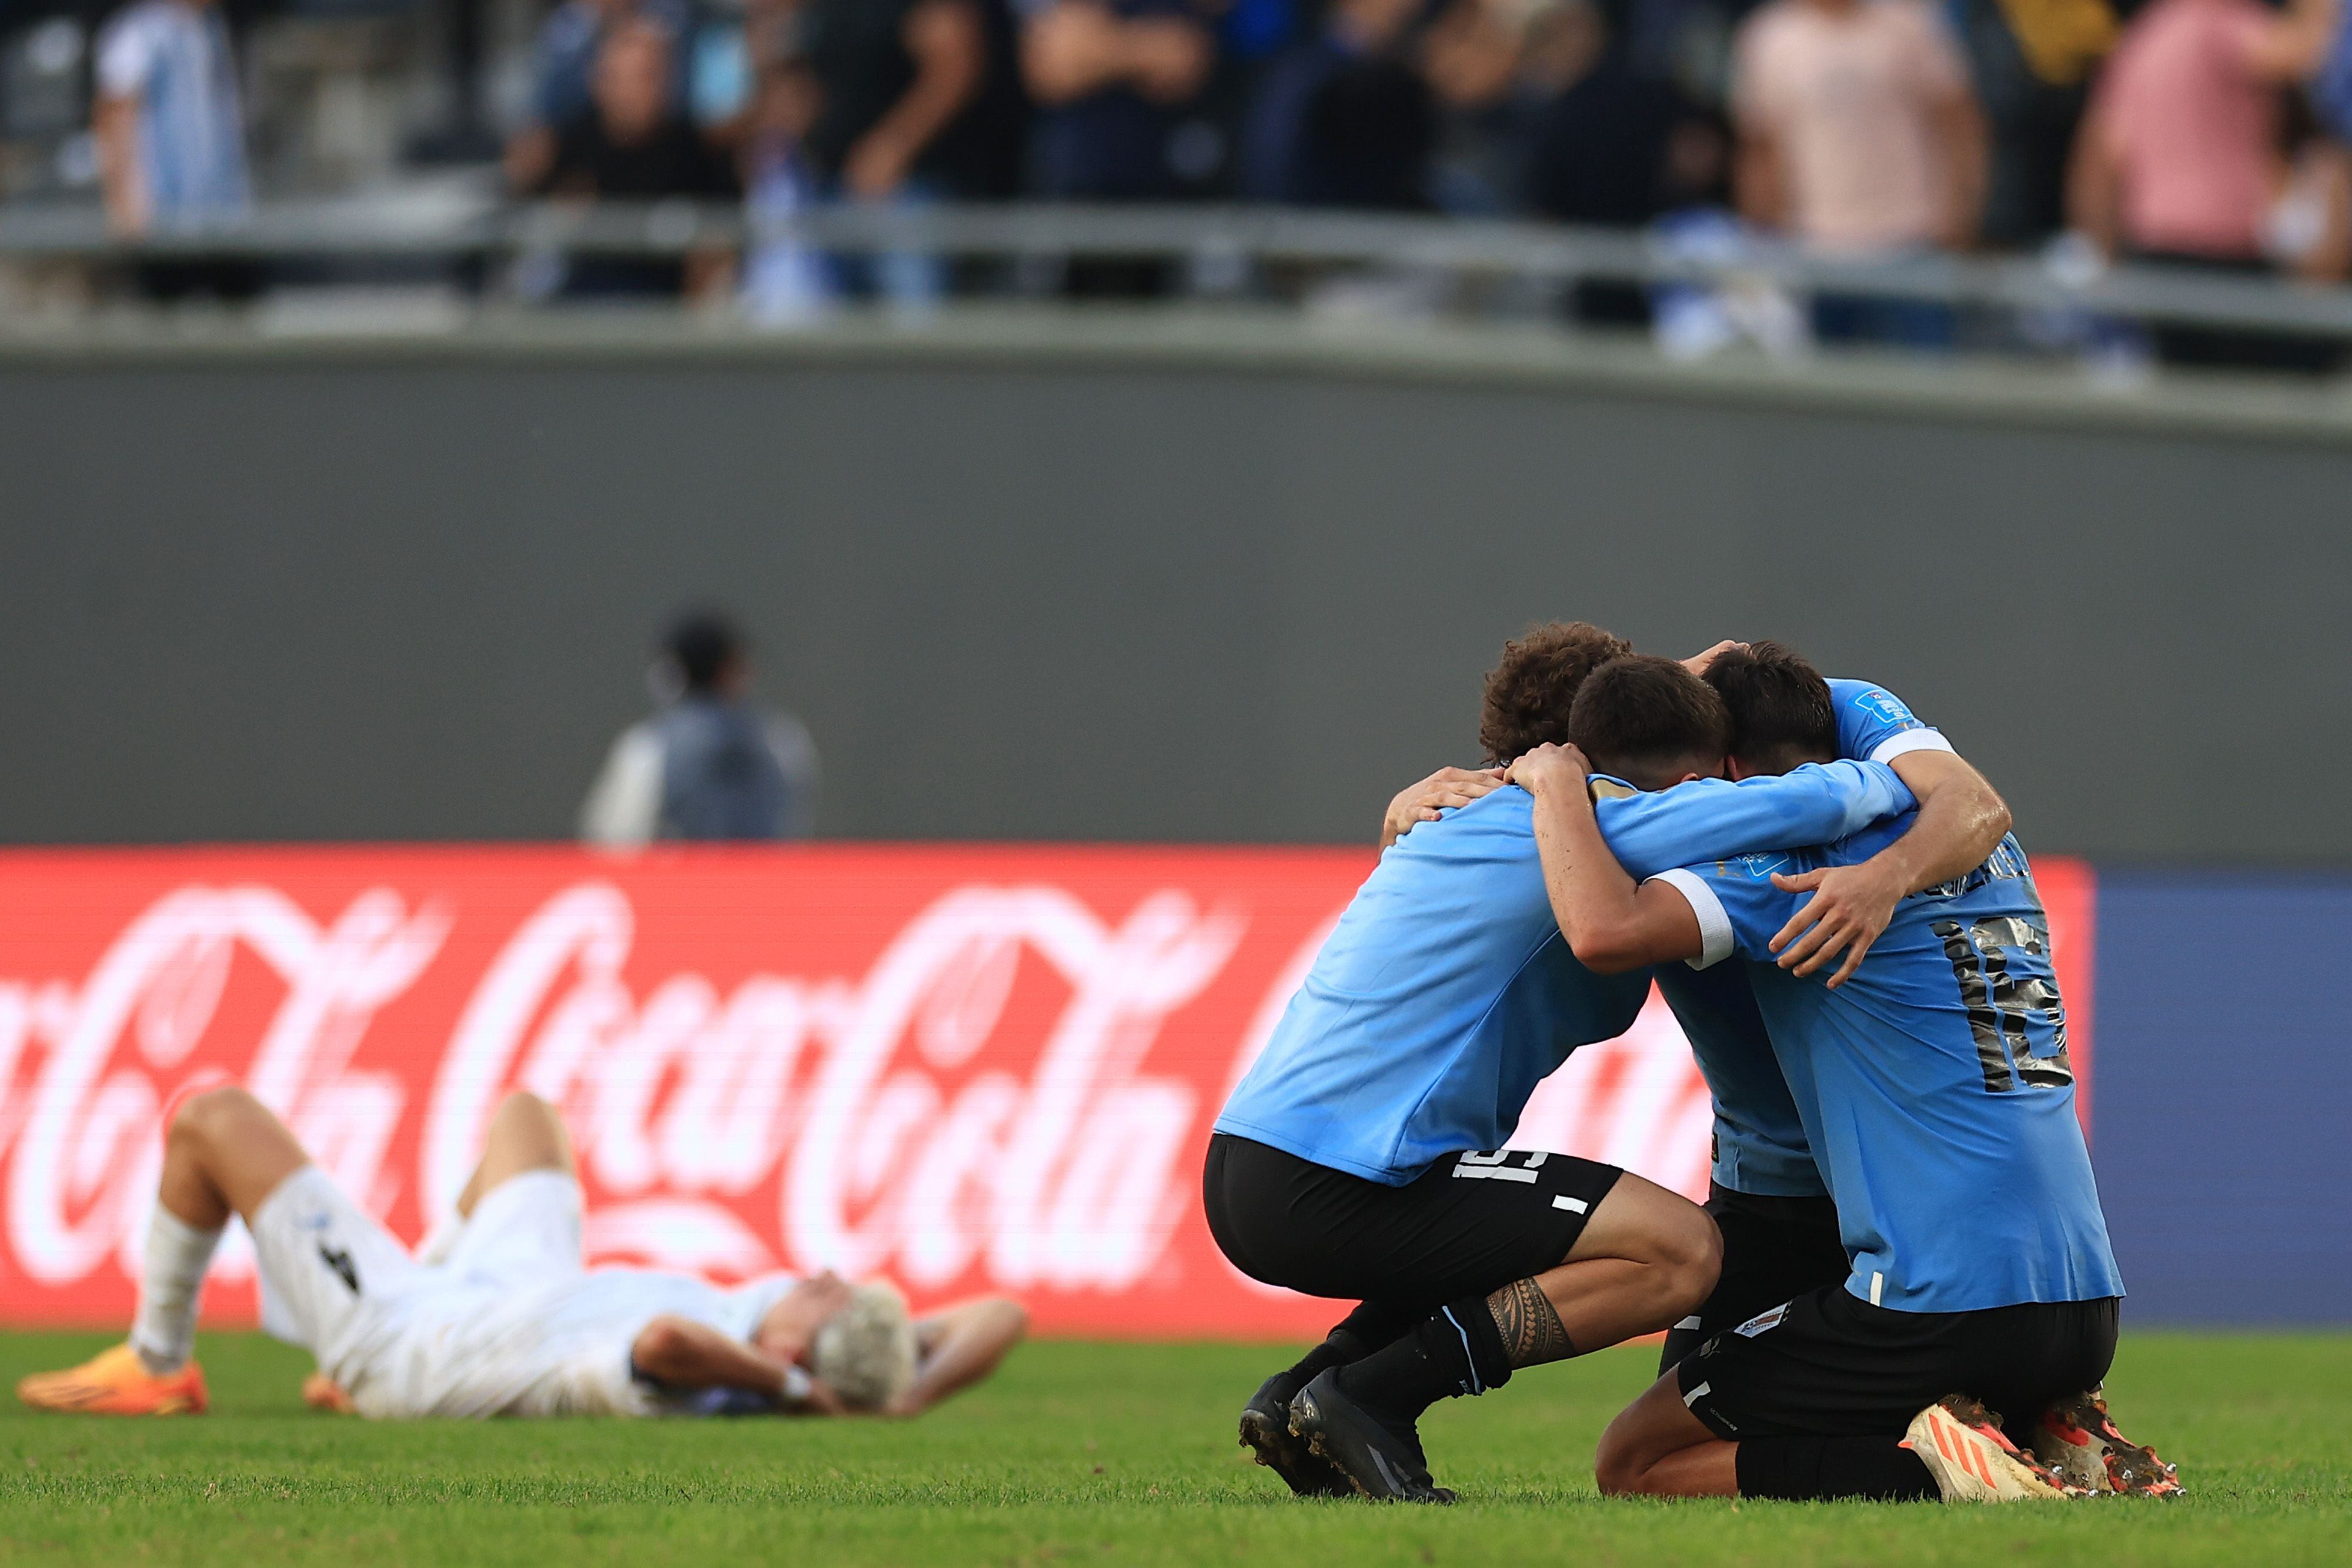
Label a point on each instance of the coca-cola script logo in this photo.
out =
(969, 1069)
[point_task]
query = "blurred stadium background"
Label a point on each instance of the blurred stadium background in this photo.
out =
(1174, 499)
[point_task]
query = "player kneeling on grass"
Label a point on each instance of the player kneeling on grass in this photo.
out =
(500, 1315)
(1935, 1090)
(1359, 1158)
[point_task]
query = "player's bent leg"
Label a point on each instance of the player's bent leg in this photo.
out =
(1646, 1259)
(525, 1134)
(1656, 1447)
(224, 1151)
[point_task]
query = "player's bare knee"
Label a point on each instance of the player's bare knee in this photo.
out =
(1619, 1469)
(524, 1119)
(1694, 1258)
(209, 1119)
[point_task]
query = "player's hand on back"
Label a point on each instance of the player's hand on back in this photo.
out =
(1548, 767)
(1849, 909)
(1442, 790)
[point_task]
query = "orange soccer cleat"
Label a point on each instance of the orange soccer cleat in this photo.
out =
(1962, 1445)
(117, 1383)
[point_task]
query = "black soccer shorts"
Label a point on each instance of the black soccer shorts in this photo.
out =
(1774, 1250)
(1471, 1224)
(1831, 1365)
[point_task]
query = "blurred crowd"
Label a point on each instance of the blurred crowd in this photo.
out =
(2207, 134)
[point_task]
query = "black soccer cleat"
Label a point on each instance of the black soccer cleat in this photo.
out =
(1376, 1463)
(1266, 1429)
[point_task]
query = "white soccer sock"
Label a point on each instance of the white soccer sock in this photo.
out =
(164, 1331)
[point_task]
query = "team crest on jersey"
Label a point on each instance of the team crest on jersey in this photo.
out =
(1763, 1322)
(1887, 705)
(1760, 867)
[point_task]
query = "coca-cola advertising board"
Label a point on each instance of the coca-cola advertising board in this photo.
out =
(971, 1069)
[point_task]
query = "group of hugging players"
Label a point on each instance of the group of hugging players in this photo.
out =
(1900, 1286)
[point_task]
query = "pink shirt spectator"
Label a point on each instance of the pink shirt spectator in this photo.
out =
(2191, 128)
(1849, 98)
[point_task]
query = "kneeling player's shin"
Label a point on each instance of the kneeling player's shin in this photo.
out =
(1804, 1470)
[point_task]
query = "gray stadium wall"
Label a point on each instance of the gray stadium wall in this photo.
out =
(1144, 590)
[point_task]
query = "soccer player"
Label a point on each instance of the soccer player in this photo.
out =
(1360, 1159)
(506, 1320)
(1935, 1092)
(1780, 1229)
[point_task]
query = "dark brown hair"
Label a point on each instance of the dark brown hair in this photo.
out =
(1649, 720)
(1780, 706)
(1529, 694)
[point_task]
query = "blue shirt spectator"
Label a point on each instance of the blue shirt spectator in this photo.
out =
(170, 127)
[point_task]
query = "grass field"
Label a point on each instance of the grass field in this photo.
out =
(1094, 1453)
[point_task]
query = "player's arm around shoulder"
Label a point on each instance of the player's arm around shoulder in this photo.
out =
(1612, 924)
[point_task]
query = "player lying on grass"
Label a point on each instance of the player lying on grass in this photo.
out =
(1935, 1091)
(501, 1317)
(1768, 1199)
(1357, 1158)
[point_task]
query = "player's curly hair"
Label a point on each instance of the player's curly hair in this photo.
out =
(866, 1352)
(1530, 693)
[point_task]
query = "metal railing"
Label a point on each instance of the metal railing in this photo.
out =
(1223, 240)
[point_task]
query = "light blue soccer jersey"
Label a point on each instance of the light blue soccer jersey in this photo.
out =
(1446, 993)
(1759, 1141)
(1933, 1085)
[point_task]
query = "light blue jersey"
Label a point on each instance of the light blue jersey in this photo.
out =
(1759, 1141)
(1446, 993)
(1933, 1085)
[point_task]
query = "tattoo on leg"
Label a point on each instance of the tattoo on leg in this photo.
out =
(1530, 1327)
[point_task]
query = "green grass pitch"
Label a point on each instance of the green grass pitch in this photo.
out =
(1097, 1453)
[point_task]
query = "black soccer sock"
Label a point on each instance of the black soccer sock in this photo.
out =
(1457, 1351)
(1801, 1469)
(1370, 1327)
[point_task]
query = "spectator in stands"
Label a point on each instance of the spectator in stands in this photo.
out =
(895, 78)
(709, 764)
(1859, 135)
(564, 70)
(632, 146)
(171, 137)
(1347, 118)
(2179, 161)
(2031, 63)
(1473, 52)
(786, 281)
(1109, 77)
(1597, 148)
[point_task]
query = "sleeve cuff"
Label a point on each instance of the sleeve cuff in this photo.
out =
(1909, 741)
(1714, 924)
